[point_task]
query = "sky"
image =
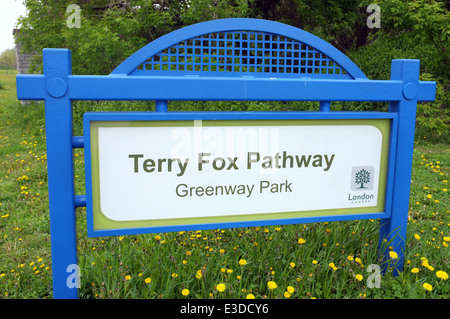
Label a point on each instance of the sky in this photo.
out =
(10, 11)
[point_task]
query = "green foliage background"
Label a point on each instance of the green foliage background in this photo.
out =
(112, 30)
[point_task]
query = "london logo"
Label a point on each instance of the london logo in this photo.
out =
(361, 181)
(362, 178)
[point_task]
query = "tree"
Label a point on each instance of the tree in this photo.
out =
(8, 59)
(111, 30)
(362, 177)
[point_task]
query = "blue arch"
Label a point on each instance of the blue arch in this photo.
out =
(339, 60)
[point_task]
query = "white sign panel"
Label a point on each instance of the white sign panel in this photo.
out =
(167, 172)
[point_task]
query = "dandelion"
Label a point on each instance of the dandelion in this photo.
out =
(331, 265)
(292, 265)
(359, 277)
(301, 241)
(286, 294)
(427, 286)
(290, 289)
(314, 262)
(429, 196)
(242, 262)
(442, 274)
(250, 296)
(393, 255)
(221, 287)
(358, 261)
(415, 270)
(272, 285)
(174, 275)
(416, 236)
(447, 239)
(350, 258)
(127, 277)
(185, 292)
(148, 280)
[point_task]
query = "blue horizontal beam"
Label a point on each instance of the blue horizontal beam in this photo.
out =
(87, 87)
(78, 141)
(256, 89)
(80, 200)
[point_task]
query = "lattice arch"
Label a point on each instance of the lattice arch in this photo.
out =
(240, 47)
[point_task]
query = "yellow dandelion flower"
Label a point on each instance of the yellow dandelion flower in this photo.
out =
(314, 262)
(358, 260)
(127, 277)
(292, 265)
(350, 258)
(393, 255)
(359, 277)
(415, 270)
(185, 292)
(427, 286)
(286, 294)
(301, 241)
(416, 236)
(242, 262)
(272, 285)
(442, 274)
(148, 280)
(290, 289)
(331, 265)
(250, 296)
(221, 287)
(429, 196)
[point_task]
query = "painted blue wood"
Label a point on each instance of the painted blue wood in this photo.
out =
(58, 119)
(269, 37)
(228, 59)
(393, 229)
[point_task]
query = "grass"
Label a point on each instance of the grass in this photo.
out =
(320, 260)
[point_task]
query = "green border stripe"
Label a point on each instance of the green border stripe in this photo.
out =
(101, 222)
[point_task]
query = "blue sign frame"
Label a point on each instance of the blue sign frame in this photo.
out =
(228, 59)
(247, 116)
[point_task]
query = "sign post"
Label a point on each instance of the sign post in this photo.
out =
(295, 167)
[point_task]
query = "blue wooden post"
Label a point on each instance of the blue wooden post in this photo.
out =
(58, 119)
(393, 229)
